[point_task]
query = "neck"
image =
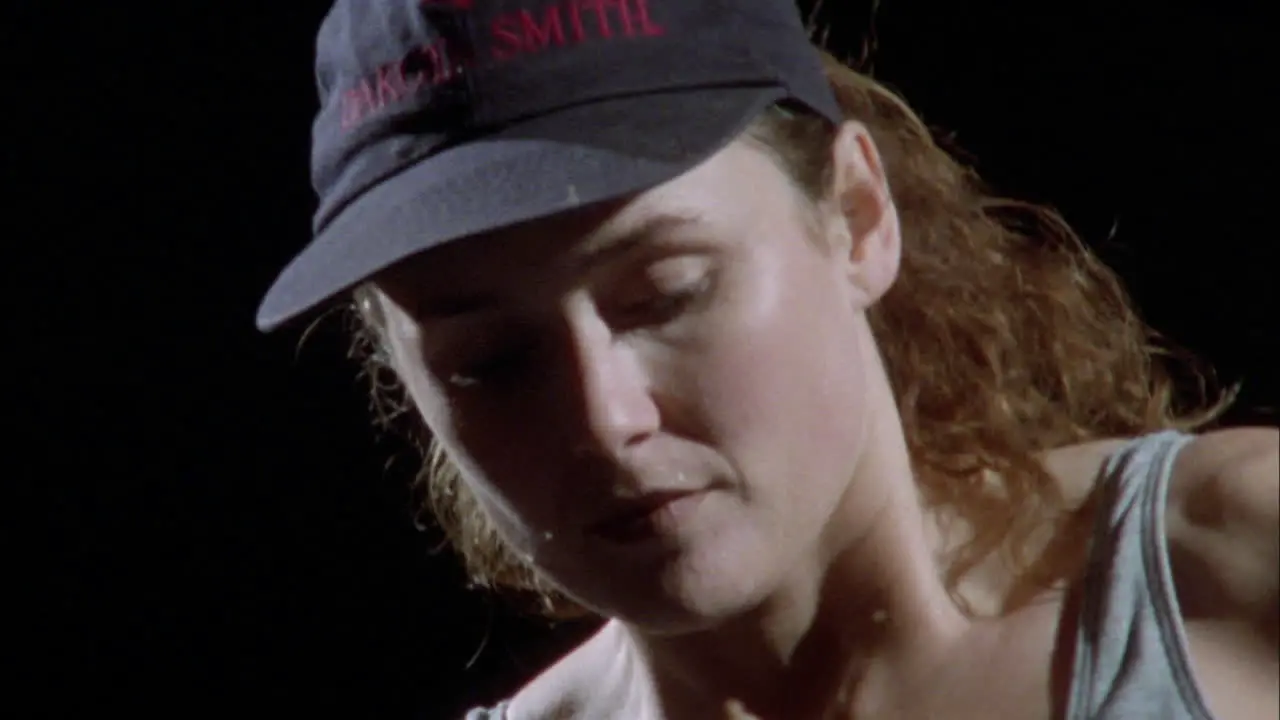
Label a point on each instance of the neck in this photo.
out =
(842, 629)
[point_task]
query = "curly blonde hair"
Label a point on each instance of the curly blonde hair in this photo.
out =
(1003, 337)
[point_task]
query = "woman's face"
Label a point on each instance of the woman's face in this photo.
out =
(659, 402)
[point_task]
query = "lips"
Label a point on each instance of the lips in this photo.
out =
(644, 517)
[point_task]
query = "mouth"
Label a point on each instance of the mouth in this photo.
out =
(648, 517)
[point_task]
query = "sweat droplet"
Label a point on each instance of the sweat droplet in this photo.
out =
(461, 380)
(738, 711)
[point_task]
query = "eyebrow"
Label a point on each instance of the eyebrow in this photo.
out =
(604, 248)
(598, 251)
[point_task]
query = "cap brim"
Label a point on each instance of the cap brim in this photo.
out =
(532, 169)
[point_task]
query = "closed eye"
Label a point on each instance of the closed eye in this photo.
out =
(493, 361)
(661, 307)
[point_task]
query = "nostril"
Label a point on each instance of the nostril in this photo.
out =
(638, 438)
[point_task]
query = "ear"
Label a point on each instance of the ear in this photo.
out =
(865, 229)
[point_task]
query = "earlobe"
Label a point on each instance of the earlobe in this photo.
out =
(868, 216)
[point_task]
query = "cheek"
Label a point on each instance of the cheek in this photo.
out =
(785, 384)
(509, 482)
(510, 465)
(500, 464)
(783, 388)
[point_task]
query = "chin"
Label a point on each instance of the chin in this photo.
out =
(694, 592)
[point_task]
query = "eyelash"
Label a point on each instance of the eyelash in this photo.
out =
(658, 310)
(495, 366)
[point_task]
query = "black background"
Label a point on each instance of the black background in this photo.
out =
(218, 528)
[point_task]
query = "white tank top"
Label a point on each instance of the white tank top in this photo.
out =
(1131, 657)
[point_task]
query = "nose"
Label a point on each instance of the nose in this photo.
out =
(612, 406)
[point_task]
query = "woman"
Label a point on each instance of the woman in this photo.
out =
(709, 339)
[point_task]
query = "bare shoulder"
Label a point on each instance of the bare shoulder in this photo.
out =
(1224, 526)
(1237, 468)
(1077, 467)
(575, 685)
(1222, 518)
(1223, 534)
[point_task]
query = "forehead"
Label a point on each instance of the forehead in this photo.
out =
(728, 192)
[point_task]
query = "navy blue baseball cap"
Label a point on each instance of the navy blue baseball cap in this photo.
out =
(443, 119)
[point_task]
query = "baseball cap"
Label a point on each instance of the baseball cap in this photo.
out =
(444, 119)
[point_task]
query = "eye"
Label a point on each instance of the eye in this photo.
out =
(488, 363)
(665, 305)
(664, 292)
